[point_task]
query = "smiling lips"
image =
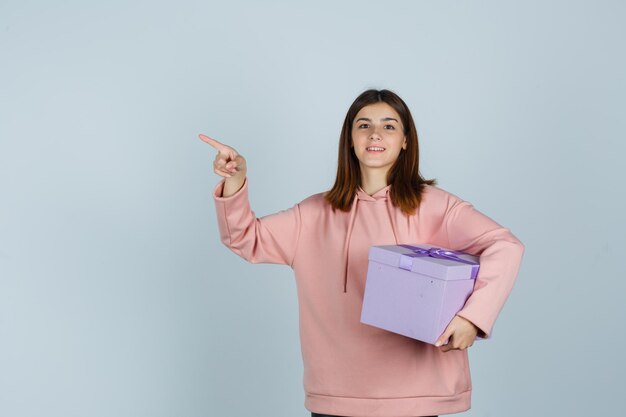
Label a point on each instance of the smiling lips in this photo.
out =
(375, 149)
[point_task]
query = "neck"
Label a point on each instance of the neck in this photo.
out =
(373, 181)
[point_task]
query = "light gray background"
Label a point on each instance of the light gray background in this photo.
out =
(117, 297)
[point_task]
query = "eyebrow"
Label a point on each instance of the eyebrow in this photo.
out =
(384, 119)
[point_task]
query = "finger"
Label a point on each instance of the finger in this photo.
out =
(458, 342)
(232, 166)
(453, 343)
(211, 141)
(451, 346)
(445, 335)
(222, 173)
(220, 161)
(224, 162)
(448, 347)
(214, 143)
(224, 170)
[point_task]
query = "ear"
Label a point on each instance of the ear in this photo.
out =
(404, 144)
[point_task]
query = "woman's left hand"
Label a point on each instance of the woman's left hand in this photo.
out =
(461, 332)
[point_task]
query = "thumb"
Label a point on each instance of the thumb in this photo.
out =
(238, 163)
(445, 335)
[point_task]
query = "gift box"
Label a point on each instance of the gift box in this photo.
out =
(416, 290)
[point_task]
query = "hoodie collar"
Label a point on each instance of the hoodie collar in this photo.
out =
(381, 194)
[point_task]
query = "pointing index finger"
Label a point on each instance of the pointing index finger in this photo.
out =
(217, 145)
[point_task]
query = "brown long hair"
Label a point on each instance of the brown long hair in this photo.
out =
(406, 181)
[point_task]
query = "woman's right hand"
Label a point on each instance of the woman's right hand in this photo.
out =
(228, 163)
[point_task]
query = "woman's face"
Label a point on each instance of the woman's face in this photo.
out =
(377, 137)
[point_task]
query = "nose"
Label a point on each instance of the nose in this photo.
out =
(375, 135)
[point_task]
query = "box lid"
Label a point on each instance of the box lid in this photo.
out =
(434, 261)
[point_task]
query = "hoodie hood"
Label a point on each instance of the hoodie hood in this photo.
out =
(379, 197)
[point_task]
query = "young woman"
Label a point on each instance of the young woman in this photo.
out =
(379, 198)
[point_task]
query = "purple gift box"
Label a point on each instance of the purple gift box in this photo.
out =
(415, 290)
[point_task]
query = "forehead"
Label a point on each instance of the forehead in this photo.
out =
(378, 111)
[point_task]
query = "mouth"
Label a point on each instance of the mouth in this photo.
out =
(375, 149)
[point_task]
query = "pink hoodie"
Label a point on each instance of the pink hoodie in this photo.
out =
(350, 368)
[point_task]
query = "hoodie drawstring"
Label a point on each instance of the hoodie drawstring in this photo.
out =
(347, 242)
(392, 219)
(353, 210)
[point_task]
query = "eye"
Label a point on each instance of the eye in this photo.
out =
(390, 126)
(363, 125)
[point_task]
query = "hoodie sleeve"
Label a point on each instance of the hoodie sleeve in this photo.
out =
(269, 239)
(469, 230)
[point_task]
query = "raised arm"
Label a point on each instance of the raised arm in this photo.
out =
(269, 239)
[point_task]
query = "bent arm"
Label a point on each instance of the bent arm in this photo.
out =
(269, 239)
(500, 252)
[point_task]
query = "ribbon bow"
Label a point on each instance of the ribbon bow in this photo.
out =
(406, 259)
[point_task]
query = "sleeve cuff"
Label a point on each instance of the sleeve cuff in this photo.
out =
(219, 189)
